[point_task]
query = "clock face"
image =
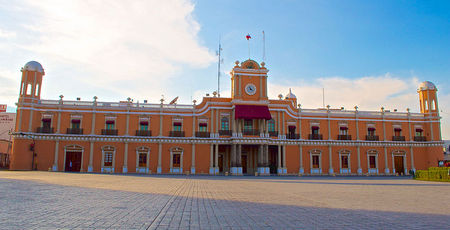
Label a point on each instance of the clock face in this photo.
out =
(250, 89)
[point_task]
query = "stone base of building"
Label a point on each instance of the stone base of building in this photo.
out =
(192, 170)
(158, 170)
(176, 170)
(236, 171)
(282, 171)
(263, 171)
(301, 171)
(124, 169)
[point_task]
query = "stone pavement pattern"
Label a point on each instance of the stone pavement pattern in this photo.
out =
(43, 200)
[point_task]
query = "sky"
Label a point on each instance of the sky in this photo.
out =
(365, 53)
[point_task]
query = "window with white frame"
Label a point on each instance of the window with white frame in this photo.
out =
(108, 156)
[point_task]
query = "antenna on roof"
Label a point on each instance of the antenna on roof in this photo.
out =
(218, 53)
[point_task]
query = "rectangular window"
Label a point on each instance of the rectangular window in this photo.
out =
(372, 162)
(142, 159)
(248, 124)
(271, 125)
(343, 130)
(315, 161)
(143, 125)
(291, 129)
(344, 161)
(177, 126)
(419, 132)
(224, 124)
(315, 130)
(110, 124)
(203, 127)
(397, 132)
(108, 159)
(46, 123)
(176, 160)
(75, 123)
(371, 131)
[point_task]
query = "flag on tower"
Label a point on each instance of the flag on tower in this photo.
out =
(248, 37)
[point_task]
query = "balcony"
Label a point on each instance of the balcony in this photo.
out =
(202, 134)
(176, 134)
(225, 132)
(398, 138)
(111, 132)
(273, 133)
(143, 133)
(293, 136)
(372, 138)
(315, 136)
(345, 137)
(45, 130)
(74, 131)
(251, 132)
(420, 138)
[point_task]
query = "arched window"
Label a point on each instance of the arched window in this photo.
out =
(426, 104)
(433, 105)
(37, 90)
(29, 88)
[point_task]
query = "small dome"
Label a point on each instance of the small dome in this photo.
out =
(34, 66)
(290, 94)
(426, 85)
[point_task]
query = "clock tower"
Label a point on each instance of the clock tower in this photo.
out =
(249, 82)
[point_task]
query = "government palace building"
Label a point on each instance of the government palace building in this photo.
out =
(247, 133)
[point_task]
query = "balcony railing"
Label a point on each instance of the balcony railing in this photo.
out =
(345, 137)
(398, 138)
(74, 131)
(252, 132)
(420, 138)
(225, 132)
(372, 138)
(315, 136)
(202, 134)
(112, 132)
(176, 134)
(45, 130)
(273, 133)
(293, 136)
(144, 133)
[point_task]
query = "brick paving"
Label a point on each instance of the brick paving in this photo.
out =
(44, 200)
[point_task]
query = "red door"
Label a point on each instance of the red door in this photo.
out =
(73, 161)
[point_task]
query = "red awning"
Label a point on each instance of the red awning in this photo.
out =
(143, 123)
(397, 129)
(46, 119)
(315, 127)
(252, 112)
(110, 122)
(203, 125)
(76, 121)
(291, 127)
(371, 129)
(419, 130)
(177, 124)
(343, 128)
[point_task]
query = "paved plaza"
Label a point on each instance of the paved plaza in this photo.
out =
(48, 200)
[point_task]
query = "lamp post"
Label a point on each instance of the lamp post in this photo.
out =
(34, 146)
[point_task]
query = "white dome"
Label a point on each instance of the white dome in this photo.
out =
(34, 66)
(290, 94)
(426, 85)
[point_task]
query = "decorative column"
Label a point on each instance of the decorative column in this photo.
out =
(266, 159)
(91, 156)
(284, 160)
(216, 159)
(330, 154)
(239, 159)
(193, 159)
(386, 166)
(412, 159)
(125, 159)
(359, 159)
(233, 169)
(280, 169)
(301, 170)
(93, 117)
(55, 162)
(159, 169)
(261, 169)
(211, 159)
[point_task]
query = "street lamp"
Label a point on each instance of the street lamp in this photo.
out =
(34, 146)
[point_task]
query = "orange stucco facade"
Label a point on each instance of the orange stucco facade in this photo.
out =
(246, 133)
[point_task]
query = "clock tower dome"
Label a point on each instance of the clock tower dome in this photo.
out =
(249, 81)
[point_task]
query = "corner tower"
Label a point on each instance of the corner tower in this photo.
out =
(428, 98)
(249, 81)
(30, 85)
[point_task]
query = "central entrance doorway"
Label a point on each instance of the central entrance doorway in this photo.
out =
(73, 161)
(273, 159)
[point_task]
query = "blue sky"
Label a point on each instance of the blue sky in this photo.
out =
(365, 53)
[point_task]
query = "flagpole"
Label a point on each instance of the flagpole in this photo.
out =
(248, 42)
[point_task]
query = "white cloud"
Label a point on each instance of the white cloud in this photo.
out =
(6, 34)
(368, 93)
(119, 46)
